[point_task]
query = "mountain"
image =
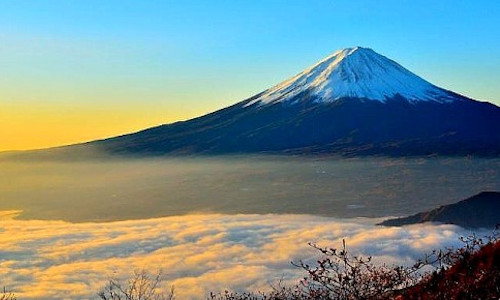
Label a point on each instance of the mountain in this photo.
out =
(354, 102)
(355, 73)
(479, 211)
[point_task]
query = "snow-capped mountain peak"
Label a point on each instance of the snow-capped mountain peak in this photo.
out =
(354, 73)
(364, 121)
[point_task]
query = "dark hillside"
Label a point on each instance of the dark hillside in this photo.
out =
(479, 211)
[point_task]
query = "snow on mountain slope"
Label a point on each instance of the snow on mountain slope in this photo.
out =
(355, 73)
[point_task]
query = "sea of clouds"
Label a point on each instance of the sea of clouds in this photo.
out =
(196, 253)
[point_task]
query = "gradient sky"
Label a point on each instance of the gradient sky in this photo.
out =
(74, 71)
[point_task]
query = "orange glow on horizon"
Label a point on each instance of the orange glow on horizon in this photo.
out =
(25, 127)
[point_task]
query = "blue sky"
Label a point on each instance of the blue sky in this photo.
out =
(152, 62)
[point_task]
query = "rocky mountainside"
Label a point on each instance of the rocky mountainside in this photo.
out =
(479, 211)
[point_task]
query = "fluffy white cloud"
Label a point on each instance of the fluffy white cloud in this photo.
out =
(197, 253)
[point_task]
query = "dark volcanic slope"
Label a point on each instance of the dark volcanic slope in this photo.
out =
(479, 211)
(346, 127)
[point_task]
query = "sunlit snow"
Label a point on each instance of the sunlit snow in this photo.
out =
(355, 73)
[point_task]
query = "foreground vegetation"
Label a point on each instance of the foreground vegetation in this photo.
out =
(470, 272)
(7, 295)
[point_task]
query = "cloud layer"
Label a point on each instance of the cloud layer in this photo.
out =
(197, 253)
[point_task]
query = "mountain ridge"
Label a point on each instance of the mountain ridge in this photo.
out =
(304, 120)
(478, 211)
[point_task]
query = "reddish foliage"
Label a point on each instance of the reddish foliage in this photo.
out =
(474, 276)
(469, 272)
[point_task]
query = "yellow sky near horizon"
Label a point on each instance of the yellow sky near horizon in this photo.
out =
(25, 127)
